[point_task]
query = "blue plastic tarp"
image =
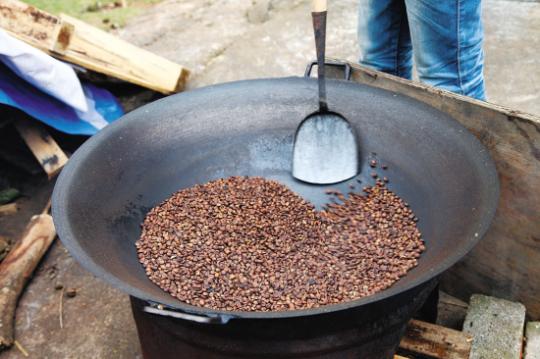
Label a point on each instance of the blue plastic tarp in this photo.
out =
(103, 107)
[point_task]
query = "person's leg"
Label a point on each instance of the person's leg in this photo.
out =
(383, 36)
(447, 41)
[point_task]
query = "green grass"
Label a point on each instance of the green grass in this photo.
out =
(102, 18)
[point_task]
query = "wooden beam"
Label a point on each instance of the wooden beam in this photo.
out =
(496, 326)
(100, 51)
(506, 259)
(436, 341)
(77, 42)
(49, 155)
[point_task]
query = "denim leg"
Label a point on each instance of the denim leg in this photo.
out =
(384, 38)
(447, 38)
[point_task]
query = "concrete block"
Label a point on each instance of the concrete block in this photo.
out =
(532, 345)
(496, 326)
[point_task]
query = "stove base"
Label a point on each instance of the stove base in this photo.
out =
(369, 332)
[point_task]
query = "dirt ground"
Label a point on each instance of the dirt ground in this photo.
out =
(226, 40)
(238, 39)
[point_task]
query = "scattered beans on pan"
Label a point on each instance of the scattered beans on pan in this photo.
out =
(251, 244)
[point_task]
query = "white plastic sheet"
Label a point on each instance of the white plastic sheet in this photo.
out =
(42, 71)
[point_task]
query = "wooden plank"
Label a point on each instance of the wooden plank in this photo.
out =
(506, 258)
(49, 155)
(7, 209)
(436, 341)
(29, 24)
(102, 52)
(75, 41)
(496, 326)
(532, 344)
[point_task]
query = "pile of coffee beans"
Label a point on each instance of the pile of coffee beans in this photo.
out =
(251, 244)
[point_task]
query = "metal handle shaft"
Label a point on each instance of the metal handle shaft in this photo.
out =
(319, 29)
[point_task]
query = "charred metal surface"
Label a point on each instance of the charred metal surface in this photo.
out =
(319, 28)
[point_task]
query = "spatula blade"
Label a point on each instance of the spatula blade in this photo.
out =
(325, 150)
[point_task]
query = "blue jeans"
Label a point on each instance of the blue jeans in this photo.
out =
(444, 36)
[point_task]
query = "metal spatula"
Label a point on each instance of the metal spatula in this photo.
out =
(325, 145)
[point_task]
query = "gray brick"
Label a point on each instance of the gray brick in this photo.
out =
(496, 326)
(532, 345)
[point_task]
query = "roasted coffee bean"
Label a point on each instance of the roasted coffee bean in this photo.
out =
(252, 244)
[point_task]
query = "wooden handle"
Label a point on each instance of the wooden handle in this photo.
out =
(319, 5)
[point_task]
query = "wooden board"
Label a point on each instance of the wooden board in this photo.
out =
(102, 52)
(75, 41)
(506, 259)
(436, 341)
(29, 24)
(49, 155)
(496, 326)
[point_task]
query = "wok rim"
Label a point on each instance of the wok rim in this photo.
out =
(68, 237)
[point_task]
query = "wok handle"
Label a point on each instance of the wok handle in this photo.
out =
(347, 71)
(159, 309)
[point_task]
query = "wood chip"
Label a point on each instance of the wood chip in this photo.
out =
(8, 209)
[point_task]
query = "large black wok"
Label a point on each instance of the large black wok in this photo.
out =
(247, 128)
